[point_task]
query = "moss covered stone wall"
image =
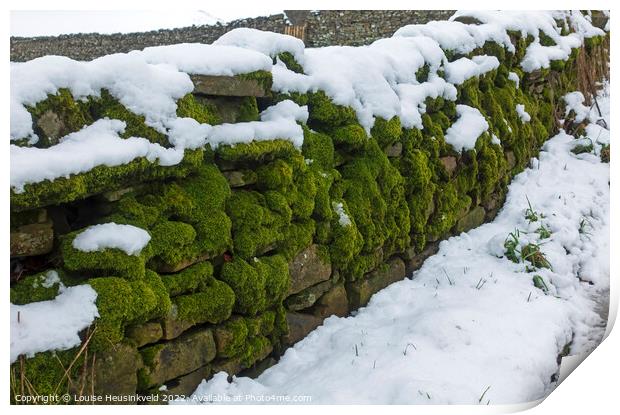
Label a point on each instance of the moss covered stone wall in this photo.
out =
(252, 246)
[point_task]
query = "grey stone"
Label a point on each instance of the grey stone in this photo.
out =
(395, 150)
(306, 298)
(115, 371)
(307, 269)
(449, 163)
(115, 195)
(143, 334)
(34, 239)
(170, 268)
(179, 357)
(360, 291)
(299, 325)
(238, 178)
(52, 126)
(171, 325)
(230, 86)
(186, 384)
(415, 261)
(333, 302)
(473, 219)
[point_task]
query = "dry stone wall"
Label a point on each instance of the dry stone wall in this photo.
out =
(321, 27)
(253, 246)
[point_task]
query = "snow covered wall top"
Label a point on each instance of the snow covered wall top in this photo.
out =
(376, 81)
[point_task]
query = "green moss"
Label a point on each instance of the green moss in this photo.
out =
(256, 151)
(254, 349)
(350, 137)
(297, 236)
(264, 79)
(374, 192)
(213, 304)
(201, 226)
(72, 116)
(110, 261)
(236, 331)
(449, 205)
(434, 105)
(324, 113)
(248, 285)
(247, 110)
(490, 165)
(121, 302)
(277, 175)
(190, 280)
(347, 240)
(386, 132)
(289, 60)
(39, 287)
(319, 148)
(468, 93)
(258, 284)
(99, 180)
(255, 226)
(172, 242)
(45, 374)
(275, 271)
(262, 324)
(422, 74)
(106, 106)
(191, 107)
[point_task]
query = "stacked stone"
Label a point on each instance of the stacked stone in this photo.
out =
(254, 245)
(323, 28)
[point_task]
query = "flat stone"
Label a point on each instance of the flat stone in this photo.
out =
(115, 195)
(359, 292)
(52, 126)
(299, 325)
(307, 269)
(474, 218)
(306, 298)
(395, 150)
(333, 302)
(34, 239)
(178, 357)
(231, 366)
(238, 178)
(415, 261)
(143, 334)
(449, 163)
(186, 384)
(173, 327)
(511, 159)
(115, 371)
(257, 369)
(231, 86)
(170, 268)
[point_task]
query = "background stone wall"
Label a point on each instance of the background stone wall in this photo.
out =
(322, 28)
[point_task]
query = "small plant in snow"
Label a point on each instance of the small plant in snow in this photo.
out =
(583, 225)
(540, 283)
(511, 244)
(530, 214)
(543, 232)
(532, 253)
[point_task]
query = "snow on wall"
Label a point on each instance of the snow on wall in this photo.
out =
(54, 324)
(127, 238)
(378, 80)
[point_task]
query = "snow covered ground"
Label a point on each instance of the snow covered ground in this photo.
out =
(471, 327)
